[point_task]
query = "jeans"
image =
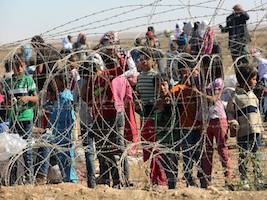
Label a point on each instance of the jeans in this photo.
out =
(24, 129)
(88, 143)
(169, 161)
(65, 161)
(109, 137)
(191, 144)
(248, 148)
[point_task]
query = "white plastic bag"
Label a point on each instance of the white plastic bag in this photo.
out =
(10, 144)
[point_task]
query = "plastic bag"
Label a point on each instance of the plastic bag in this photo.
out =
(10, 144)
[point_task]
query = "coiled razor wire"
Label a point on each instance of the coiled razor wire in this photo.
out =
(157, 148)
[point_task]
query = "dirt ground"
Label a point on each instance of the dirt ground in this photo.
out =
(77, 191)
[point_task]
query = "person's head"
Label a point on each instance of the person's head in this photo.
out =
(185, 73)
(37, 41)
(138, 42)
(73, 61)
(149, 35)
(8, 66)
(237, 8)
(196, 25)
(167, 33)
(69, 38)
(111, 50)
(246, 76)
(146, 60)
(81, 38)
(173, 46)
(216, 68)
(151, 28)
(61, 80)
(18, 65)
(164, 85)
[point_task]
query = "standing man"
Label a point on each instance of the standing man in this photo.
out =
(238, 33)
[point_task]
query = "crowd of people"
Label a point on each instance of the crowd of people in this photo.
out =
(177, 94)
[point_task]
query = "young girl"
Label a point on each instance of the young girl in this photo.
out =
(62, 120)
(217, 125)
(243, 112)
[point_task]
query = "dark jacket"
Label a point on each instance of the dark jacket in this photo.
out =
(237, 28)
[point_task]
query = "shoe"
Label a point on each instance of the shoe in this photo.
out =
(116, 185)
(41, 179)
(244, 185)
(229, 185)
(101, 181)
(259, 185)
(128, 184)
(204, 183)
(191, 183)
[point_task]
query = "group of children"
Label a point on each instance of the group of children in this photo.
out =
(177, 117)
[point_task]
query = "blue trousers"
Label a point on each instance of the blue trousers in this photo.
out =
(24, 129)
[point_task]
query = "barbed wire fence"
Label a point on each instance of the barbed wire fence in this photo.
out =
(66, 145)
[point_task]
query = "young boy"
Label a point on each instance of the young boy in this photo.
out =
(21, 97)
(148, 90)
(190, 136)
(243, 112)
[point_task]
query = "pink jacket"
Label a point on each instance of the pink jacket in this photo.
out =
(122, 94)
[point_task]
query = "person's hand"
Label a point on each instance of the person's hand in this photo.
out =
(220, 26)
(99, 72)
(164, 88)
(194, 88)
(23, 99)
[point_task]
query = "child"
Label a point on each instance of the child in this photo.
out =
(217, 124)
(243, 111)
(146, 88)
(166, 118)
(62, 120)
(21, 95)
(190, 136)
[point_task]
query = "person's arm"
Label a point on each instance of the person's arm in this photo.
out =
(25, 99)
(231, 116)
(244, 15)
(131, 66)
(32, 94)
(110, 72)
(213, 98)
(86, 92)
(225, 29)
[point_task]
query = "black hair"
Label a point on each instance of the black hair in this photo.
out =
(17, 60)
(147, 52)
(151, 28)
(196, 25)
(37, 39)
(63, 75)
(69, 37)
(217, 68)
(137, 41)
(244, 73)
(8, 66)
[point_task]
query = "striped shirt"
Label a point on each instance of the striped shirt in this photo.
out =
(15, 88)
(146, 86)
(244, 107)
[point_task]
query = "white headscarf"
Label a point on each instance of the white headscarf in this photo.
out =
(66, 44)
